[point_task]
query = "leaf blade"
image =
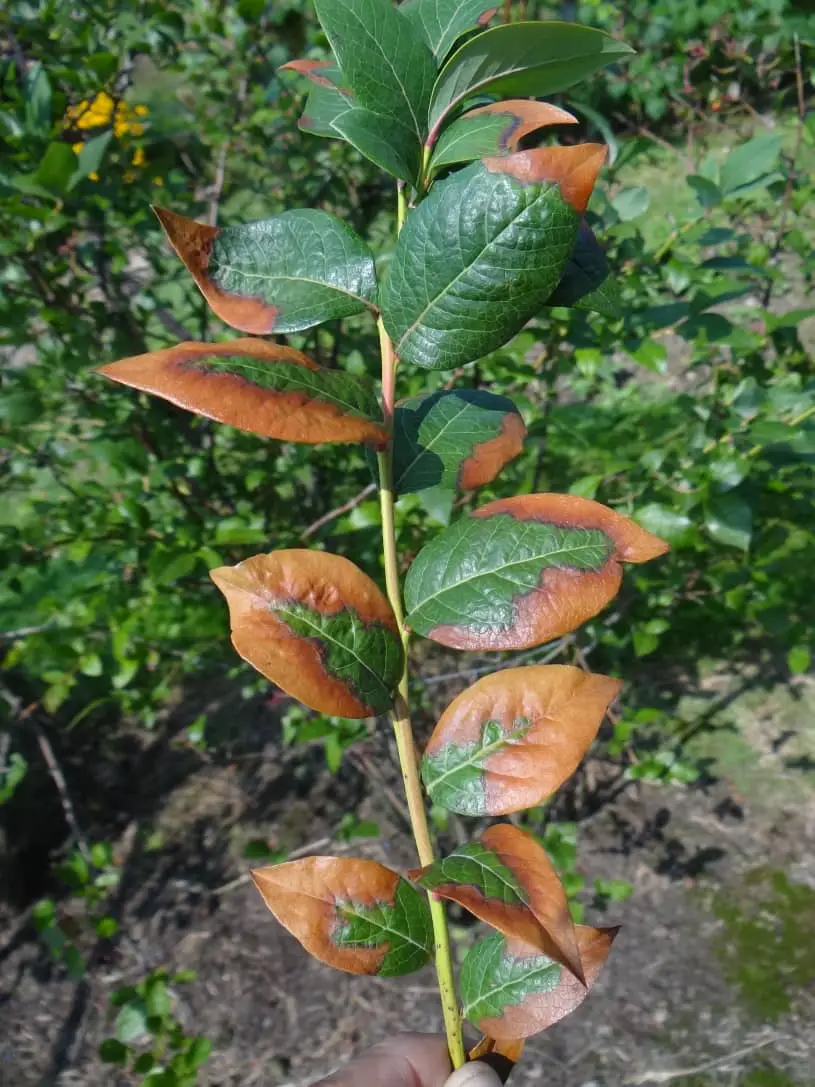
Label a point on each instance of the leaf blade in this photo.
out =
(521, 571)
(264, 388)
(316, 626)
(510, 740)
(443, 22)
(283, 274)
(355, 915)
(587, 282)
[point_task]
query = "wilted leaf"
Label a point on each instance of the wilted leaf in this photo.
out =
(283, 274)
(261, 387)
(483, 251)
(507, 880)
(509, 741)
(496, 129)
(524, 60)
(501, 1056)
(457, 439)
(442, 22)
(511, 991)
(586, 282)
(521, 571)
(355, 915)
(318, 627)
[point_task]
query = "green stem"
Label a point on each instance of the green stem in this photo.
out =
(405, 744)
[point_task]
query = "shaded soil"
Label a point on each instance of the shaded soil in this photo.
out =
(712, 980)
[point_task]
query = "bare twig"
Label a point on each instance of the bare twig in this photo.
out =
(681, 1073)
(332, 515)
(58, 778)
(220, 169)
(554, 650)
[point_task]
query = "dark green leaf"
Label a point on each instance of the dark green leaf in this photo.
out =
(730, 521)
(112, 1051)
(707, 192)
(386, 141)
(460, 438)
(524, 59)
(90, 157)
(587, 283)
(442, 22)
(37, 90)
(56, 168)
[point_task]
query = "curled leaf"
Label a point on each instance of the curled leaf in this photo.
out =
(500, 1056)
(355, 915)
(510, 991)
(278, 275)
(521, 571)
(457, 439)
(509, 741)
(318, 627)
(262, 387)
(507, 880)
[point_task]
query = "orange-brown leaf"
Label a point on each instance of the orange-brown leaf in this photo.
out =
(261, 387)
(511, 739)
(573, 169)
(500, 1056)
(318, 627)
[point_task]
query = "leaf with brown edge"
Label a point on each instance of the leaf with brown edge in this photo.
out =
(507, 880)
(573, 169)
(510, 991)
(318, 627)
(521, 571)
(494, 129)
(500, 1056)
(322, 73)
(512, 738)
(355, 915)
(279, 275)
(261, 387)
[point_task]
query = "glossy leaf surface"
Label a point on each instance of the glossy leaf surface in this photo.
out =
(384, 60)
(456, 439)
(533, 60)
(511, 991)
(261, 387)
(507, 880)
(442, 22)
(587, 282)
(521, 571)
(496, 129)
(279, 275)
(482, 253)
(318, 627)
(509, 741)
(355, 915)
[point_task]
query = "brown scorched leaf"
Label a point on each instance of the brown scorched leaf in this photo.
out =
(261, 387)
(509, 741)
(318, 627)
(507, 880)
(355, 915)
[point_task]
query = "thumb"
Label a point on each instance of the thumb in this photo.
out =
(476, 1074)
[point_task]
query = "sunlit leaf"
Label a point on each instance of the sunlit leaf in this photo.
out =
(510, 991)
(521, 571)
(533, 59)
(456, 439)
(507, 880)
(587, 282)
(258, 386)
(482, 253)
(442, 22)
(496, 129)
(283, 274)
(355, 915)
(730, 521)
(509, 741)
(318, 627)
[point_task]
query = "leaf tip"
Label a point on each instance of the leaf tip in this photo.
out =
(573, 169)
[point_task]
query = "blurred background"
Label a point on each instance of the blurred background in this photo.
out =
(144, 769)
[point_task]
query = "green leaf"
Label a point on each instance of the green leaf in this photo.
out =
(283, 274)
(318, 627)
(456, 439)
(112, 1051)
(730, 521)
(386, 141)
(669, 524)
(442, 22)
(90, 157)
(707, 192)
(799, 659)
(404, 927)
(531, 60)
(587, 282)
(631, 203)
(56, 168)
(37, 92)
(131, 1023)
(258, 386)
(384, 61)
(495, 129)
(749, 164)
(482, 253)
(521, 571)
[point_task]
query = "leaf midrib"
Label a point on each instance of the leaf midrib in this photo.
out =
(511, 984)
(291, 279)
(406, 937)
(317, 393)
(481, 753)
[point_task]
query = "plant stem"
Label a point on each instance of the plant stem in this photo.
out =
(405, 744)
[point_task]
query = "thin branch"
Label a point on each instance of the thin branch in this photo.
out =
(554, 650)
(681, 1073)
(58, 778)
(332, 515)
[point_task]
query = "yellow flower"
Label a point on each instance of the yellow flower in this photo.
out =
(141, 111)
(94, 176)
(77, 147)
(158, 181)
(91, 114)
(138, 157)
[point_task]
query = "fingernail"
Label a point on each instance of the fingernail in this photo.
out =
(475, 1074)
